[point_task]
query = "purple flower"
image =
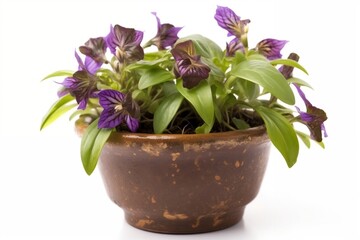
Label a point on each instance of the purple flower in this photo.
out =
(234, 46)
(302, 95)
(271, 48)
(313, 118)
(227, 19)
(82, 85)
(166, 35)
(118, 108)
(90, 65)
(124, 43)
(287, 71)
(188, 65)
(95, 48)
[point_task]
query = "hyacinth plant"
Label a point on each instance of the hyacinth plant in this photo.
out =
(187, 85)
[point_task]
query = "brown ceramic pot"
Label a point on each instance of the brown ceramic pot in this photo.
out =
(184, 183)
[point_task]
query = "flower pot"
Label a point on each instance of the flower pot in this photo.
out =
(184, 183)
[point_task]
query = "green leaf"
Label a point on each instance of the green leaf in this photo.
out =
(321, 144)
(140, 96)
(240, 123)
(205, 128)
(204, 46)
(246, 89)
(153, 105)
(154, 76)
(281, 134)
(215, 74)
(150, 60)
(150, 56)
(60, 107)
(267, 76)
(289, 62)
(299, 82)
(218, 114)
(201, 99)
(62, 73)
(91, 145)
(169, 88)
(166, 112)
(238, 58)
(143, 64)
(305, 138)
(88, 112)
(256, 56)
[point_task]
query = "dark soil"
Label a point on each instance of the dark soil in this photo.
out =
(187, 122)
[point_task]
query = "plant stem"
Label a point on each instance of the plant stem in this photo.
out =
(229, 126)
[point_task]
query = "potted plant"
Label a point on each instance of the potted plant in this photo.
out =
(182, 127)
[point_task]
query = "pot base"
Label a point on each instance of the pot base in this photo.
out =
(182, 184)
(178, 223)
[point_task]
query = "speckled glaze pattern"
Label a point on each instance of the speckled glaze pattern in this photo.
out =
(184, 183)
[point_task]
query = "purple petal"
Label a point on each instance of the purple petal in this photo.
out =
(80, 62)
(227, 19)
(69, 82)
(132, 123)
(109, 40)
(157, 19)
(82, 103)
(316, 126)
(234, 46)
(304, 116)
(64, 89)
(110, 98)
(302, 95)
(287, 71)
(314, 119)
(91, 65)
(166, 35)
(62, 92)
(192, 72)
(109, 118)
(183, 50)
(324, 130)
(82, 85)
(188, 65)
(138, 37)
(117, 108)
(95, 48)
(194, 76)
(281, 69)
(124, 43)
(271, 48)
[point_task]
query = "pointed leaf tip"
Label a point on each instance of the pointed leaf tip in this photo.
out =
(92, 143)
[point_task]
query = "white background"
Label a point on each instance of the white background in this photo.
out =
(44, 192)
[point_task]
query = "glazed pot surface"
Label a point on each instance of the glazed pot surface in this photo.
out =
(184, 183)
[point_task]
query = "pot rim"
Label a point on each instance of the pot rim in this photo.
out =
(259, 131)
